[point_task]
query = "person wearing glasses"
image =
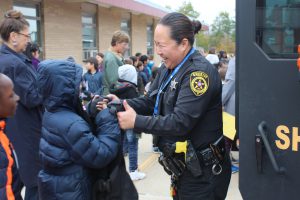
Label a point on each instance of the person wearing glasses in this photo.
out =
(183, 106)
(24, 129)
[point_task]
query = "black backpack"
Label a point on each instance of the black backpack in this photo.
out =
(114, 182)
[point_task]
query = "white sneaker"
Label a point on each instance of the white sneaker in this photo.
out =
(136, 175)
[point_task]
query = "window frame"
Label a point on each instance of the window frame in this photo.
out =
(38, 18)
(90, 10)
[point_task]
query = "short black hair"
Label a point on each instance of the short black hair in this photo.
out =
(143, 58)
(31, 48)
(138, 54)
(93, 61)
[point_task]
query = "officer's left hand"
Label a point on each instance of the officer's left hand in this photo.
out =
(126, 118)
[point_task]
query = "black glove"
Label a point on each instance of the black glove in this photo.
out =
(92, 109)
(115, 106)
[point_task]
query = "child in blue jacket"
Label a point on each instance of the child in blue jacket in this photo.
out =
(70, 147)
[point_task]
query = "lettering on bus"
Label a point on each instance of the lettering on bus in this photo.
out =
(287, 137)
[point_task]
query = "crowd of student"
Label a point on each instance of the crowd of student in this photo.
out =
(55, 138)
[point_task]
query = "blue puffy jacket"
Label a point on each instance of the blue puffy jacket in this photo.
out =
(69, 147)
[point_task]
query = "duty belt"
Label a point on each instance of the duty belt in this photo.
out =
(213, 155)
(193, 160)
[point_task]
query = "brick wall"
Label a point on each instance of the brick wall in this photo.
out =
(157, 58)
(62, 30)
(5, 5)
(109, 21)
(139, 33)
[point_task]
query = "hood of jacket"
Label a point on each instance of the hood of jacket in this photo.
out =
(59, 84)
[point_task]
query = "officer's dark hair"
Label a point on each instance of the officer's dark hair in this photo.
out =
(181, 27)
(143, 58)
(14, 21)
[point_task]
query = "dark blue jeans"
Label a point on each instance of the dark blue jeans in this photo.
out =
(132, 141)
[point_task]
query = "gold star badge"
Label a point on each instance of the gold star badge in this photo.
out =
(199, 82)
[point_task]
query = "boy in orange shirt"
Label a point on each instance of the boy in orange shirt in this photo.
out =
(10, 184)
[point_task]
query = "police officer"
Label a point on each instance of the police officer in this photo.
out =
(184, 103)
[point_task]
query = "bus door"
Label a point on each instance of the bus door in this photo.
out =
(268, 98)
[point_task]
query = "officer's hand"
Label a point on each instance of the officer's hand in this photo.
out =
(102, 104)
(112, 97)
(126, 118)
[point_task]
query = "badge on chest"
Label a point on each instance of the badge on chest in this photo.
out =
(173, 84)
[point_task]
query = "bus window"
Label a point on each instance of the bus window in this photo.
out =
(278, 27)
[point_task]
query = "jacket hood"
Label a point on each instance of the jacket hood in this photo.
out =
(59, 83)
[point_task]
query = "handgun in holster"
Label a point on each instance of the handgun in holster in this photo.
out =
(191, 158)
(171, 165)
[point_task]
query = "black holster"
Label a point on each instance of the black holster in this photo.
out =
(172, 165)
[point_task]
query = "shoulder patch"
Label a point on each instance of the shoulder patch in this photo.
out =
(199, 82)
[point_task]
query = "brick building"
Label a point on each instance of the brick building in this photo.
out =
(81, 28)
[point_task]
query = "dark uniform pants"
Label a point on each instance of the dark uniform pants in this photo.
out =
(205, 187)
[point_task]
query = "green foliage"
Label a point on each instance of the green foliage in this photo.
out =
(221, 35)
(223, 26)
(188, 9)
(202, 40)
(222, 31)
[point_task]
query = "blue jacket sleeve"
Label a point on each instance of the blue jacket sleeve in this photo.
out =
(95, 151)
(25, 85)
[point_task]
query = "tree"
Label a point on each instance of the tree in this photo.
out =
(223, 26)
(223, 32)
(187, 9)
(202, 40)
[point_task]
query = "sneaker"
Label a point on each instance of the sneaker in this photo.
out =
(136, 175)
(234, 169)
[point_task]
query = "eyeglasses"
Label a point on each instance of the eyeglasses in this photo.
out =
(26, 35)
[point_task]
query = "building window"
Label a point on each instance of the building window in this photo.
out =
(89, 30)
(278, 27)
(150, 36)
(125, 26)
(32, 13)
